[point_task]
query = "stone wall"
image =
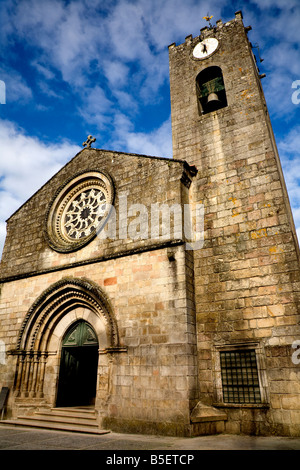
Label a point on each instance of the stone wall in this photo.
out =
(176, 310)
(136, 180)
(247, 277)
(150, 384)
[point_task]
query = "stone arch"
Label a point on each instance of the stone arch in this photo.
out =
(60, 327)
(46, 316)
(78, 366)
(55, 302)
(210, 89)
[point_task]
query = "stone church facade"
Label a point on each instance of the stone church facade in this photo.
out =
(108, 302)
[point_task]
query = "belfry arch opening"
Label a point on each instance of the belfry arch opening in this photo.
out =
(78, 366)
(211, 94)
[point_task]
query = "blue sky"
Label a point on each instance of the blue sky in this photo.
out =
(100, 67)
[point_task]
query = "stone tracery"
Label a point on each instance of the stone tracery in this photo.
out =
(79, 211)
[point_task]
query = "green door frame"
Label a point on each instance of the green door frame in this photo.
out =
(78, 366)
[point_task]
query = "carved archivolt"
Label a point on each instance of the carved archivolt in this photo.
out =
(42, 318)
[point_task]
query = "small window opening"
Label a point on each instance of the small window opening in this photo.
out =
(210, 90)
(240, 376)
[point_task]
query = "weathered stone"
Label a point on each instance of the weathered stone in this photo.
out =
(162, 314)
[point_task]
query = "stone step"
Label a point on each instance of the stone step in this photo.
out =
(55, 426)
(65, 419)
(69, 415)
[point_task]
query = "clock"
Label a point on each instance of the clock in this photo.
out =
(205, 48)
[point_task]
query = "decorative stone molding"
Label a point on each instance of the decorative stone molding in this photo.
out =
(79, 210)
(43, 316)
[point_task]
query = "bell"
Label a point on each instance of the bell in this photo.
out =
(213, 103)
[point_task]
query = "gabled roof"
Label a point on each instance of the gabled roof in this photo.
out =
(191, 168)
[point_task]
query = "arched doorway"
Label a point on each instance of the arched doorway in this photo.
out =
(78, 366)
(48, 320)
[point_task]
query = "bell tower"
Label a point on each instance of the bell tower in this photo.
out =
(247, 277)
(216, 72)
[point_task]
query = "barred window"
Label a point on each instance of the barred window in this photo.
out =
(240, 376)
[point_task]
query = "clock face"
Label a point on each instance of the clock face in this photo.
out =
(205, 48)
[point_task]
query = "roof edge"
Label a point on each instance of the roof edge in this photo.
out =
(191, 169)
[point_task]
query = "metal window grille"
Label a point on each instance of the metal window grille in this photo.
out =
(240, 376)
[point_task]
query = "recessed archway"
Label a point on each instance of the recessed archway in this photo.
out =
(47, 322)
(78, 366)
(210, 89)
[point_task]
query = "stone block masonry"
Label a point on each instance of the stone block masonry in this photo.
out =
(153, 383)
(189, 341)
(247, 274)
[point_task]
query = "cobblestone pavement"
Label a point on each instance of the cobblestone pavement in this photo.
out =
(21, 438)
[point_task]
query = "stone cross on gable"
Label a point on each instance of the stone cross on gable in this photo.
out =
(89, 141)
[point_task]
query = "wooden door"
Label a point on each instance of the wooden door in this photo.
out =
(78, 367)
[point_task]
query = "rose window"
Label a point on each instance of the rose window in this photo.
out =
(84, 213)
(79, 211)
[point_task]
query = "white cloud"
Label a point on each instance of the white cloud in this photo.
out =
(289, 151)
(74, 41)
(275, 29)
(16, 87)
(126, 101)
(279, 19)
(65, 36)
(126, 28)
(262, 4)
(45, 71)
(26, 164)
(173, 20)
(96, 108)
(278, 92)
(290, 144)
(156, 143)
(116, 73)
